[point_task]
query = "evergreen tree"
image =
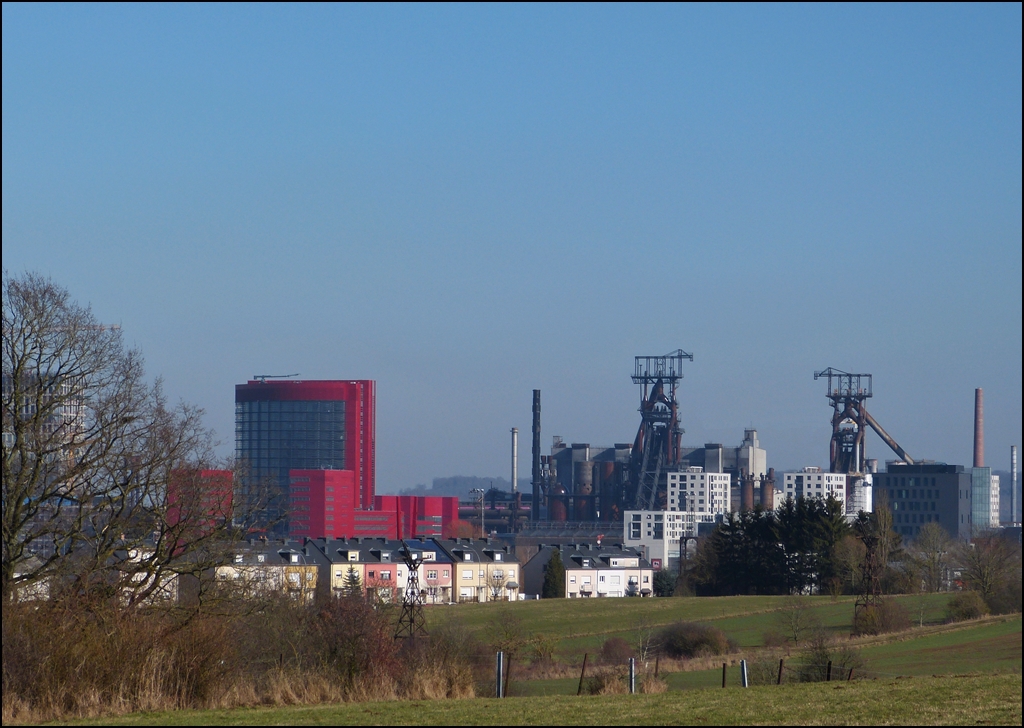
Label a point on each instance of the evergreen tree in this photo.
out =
(554, 577)
(352, 586)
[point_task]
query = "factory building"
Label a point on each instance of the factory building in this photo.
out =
(283, 425)
(746, 460)
(585, 483)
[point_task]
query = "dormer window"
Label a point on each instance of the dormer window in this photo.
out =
(260, 558)
(238, 558)
(295, 558)
(385, 556)
(467, 557)
(497, 557)
(353, 556)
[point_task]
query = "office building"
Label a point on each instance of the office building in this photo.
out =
(284, 425)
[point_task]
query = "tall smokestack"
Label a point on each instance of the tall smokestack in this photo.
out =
(979, 428)
(515, 459)
(535, 475)
(1013, 484)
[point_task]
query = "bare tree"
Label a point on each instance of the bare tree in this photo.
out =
(930, 554)
(89, 452)
(988, 564)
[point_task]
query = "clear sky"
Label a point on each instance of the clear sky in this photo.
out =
(468, 202)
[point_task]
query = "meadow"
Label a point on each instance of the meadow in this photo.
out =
(905, 678)
(979, 699)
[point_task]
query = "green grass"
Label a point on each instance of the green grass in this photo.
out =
(989, 699)
(580, 626)
(992, 647)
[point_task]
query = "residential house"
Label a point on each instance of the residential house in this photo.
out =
(262, 568)
(484, 570)
(601, 570)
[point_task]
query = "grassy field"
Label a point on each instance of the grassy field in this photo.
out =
(579, 626)
(988, 699)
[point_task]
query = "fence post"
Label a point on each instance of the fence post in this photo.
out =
(828, 672)
(656, 658)
(723, 674)
(508, 671)
(579, 690)
(743, 673)
(632, 675)
(498, 670)
(780, 670)
(850, 676)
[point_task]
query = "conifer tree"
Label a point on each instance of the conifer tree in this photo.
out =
(554, 577)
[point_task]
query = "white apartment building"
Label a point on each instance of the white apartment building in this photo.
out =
(695, 491)
(657, 534)
(811, 482)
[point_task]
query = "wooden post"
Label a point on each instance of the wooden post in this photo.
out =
(850, 676)
(656, 658)
(781, 660)
(579, 690)
(723, 674)
(508, 671)
(828, 672)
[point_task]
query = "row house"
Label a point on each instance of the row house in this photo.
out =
(609, 570)
(377, 566)
(484, 570)
(263, 568)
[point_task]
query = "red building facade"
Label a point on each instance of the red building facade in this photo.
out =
(285, 425)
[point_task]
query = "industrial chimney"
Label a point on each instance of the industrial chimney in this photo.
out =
(979, 428)
(535, 475)
(1013, 484)
(515, 459)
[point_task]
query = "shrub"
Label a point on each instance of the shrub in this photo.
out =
(606, 683)
(888, 615)
(686, 639)
(965, 605)
(616, 650)
(821, 649)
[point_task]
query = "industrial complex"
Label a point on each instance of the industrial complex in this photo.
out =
(310, 446)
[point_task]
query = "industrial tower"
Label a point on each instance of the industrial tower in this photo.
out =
(658, 440)
(850, 419)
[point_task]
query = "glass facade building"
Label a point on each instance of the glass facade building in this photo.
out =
(304, 425)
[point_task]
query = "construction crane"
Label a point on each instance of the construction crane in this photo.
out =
(264, 377)
(658, 440)
(850, 420)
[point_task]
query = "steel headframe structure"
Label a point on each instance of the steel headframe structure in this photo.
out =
(657, 441)
(410, 621)
(850, 420)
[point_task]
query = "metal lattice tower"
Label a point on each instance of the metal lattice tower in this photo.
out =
(410, 621)
(850, 420)
(657, 441)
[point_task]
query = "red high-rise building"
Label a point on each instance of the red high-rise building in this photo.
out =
(283, 425)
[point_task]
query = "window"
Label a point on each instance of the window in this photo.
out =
(385, 575)
(432, 574)
(445, 573)
(467, 573)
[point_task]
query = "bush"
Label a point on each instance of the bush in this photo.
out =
(774, 639)
(606, 683)
(686, 639)
(616, 650)
(888, 615)
(965, 605)
(821, 649)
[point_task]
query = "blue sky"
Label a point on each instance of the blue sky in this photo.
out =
(465, 203)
